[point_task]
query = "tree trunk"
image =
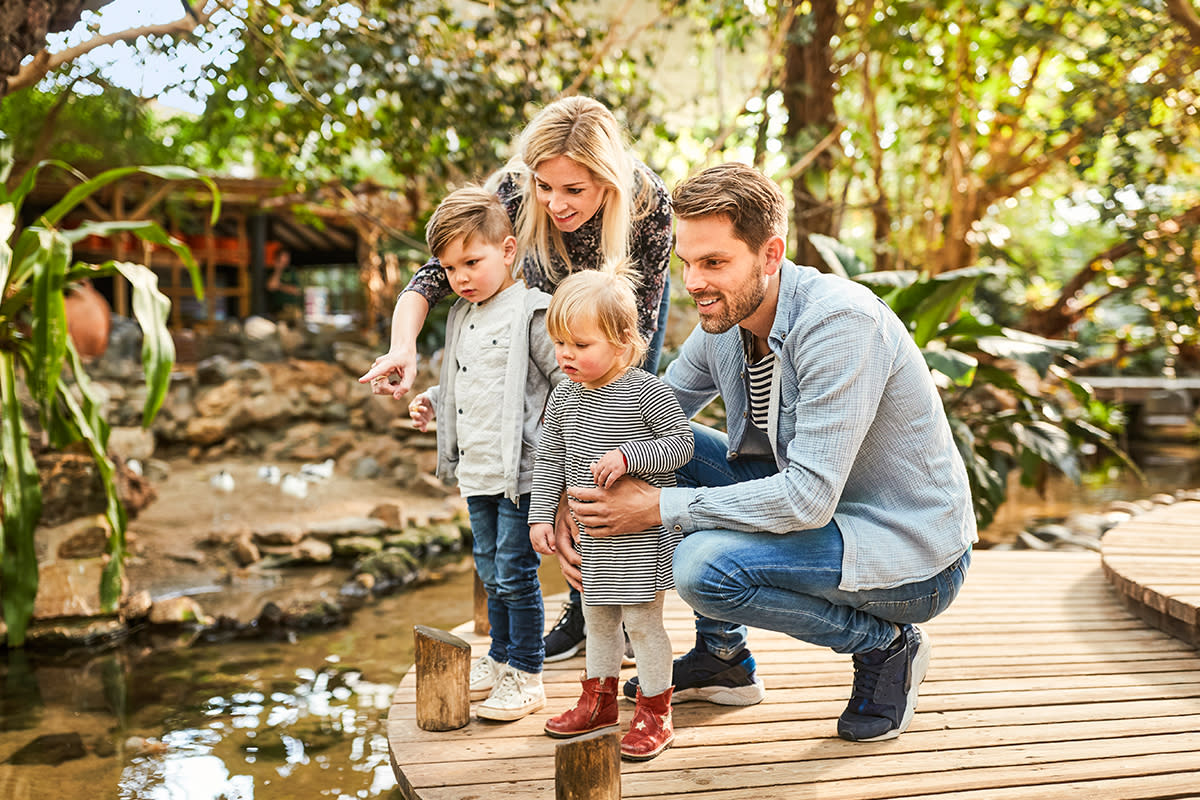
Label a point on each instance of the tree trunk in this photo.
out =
(808, 93)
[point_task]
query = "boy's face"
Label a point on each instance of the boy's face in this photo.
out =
(478, 270)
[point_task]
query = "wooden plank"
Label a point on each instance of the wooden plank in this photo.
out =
(1040, 681)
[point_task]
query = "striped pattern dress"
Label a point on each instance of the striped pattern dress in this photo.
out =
(639, 414)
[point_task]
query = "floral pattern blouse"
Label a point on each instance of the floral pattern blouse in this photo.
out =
(649, 250)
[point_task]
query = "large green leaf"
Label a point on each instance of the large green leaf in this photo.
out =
(1050, 444)
(89, 187)
(94, 431)
(8, 216)
(49, 318)
(958, 367)
(840, 258)
(147, 231)
(22, 508)
(151, 308)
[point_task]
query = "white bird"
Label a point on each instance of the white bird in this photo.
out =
(269, 473)
(317, 472)
(294, 485)
(222, 482)
(134, 465)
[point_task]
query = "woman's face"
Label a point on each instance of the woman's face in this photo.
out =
(568, 191)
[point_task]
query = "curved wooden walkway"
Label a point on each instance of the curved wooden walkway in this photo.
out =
(1042, 685)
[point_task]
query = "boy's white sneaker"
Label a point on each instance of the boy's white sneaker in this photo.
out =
(517, 694)
(484, 674)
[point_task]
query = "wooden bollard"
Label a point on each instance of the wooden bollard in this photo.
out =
(443, 664)
(588, 767)
(482, 626)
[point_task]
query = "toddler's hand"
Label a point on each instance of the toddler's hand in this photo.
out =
(420, 410)
(541, 536)
(610, 467)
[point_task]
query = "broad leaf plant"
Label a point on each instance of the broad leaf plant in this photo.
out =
(36, 271)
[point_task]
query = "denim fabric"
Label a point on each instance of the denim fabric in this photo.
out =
(508, 566)
(787, 582)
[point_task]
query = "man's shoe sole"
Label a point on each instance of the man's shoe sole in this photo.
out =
(919, 667)
(724, 695)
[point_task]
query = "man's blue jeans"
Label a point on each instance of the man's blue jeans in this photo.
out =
(508, 566)
(787, 582)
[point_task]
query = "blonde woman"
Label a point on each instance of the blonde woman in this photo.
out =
(578, 199)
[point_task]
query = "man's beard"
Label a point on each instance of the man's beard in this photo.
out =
(744, 302)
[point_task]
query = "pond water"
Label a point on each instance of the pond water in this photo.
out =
(306, 719)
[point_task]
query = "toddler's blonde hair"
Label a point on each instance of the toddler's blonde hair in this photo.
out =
(604, 298)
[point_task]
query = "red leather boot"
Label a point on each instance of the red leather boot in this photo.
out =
(651, 731)
(596, 709)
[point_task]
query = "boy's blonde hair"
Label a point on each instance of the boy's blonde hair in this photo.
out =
(604, 298)
(585, 131)
(467, 213)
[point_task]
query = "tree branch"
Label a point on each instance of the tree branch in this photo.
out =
(1182, 12)
(46, 62)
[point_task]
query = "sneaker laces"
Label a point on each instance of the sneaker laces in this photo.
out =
(482, 669)
(564, 618)
(866, 676)
(508, 687)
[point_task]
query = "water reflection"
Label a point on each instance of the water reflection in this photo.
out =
(238, 720)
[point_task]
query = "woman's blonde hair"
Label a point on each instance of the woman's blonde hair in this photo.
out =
(603, 298)
(585, 131)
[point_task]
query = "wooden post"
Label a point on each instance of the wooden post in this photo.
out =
(588, 767)
(482, 626)
(443, 664)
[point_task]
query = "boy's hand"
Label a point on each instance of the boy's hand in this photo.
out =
(393, 364)
(420, 410)
(610, 467)
(541, 536)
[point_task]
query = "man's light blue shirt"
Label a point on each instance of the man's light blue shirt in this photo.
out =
(856, 428)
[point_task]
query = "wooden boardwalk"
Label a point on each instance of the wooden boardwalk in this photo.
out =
(1042, 685)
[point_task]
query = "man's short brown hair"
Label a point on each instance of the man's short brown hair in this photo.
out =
(748, 199)
(465, 214)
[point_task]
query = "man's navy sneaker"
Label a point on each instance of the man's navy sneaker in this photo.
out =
(700, 675)
(567, 637)
(885, 688)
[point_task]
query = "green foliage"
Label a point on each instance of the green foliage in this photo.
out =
(36, 270)
(425, 90)
(1000, 387)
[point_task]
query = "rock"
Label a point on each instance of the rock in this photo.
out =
(353, 358)
(346, 527)
(69, 588)
(245, 552)
(87, 538)
(136, 606)
(50, 749)
(366, 469)
(176, 611)
(1162, 499)
(391, 515)
(355, 546)
(213, 371)
(314, 551)
(61, 634)
(131, 442)
(285, 533)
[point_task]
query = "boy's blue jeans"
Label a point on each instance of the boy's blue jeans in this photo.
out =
(787, 582)
(508, 566)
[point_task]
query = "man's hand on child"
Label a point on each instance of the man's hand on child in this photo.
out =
(611, 466)
(420, 410)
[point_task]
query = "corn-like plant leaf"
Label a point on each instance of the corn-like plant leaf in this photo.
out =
(147, 231)
(89, 187)
(22, 508)
(94, 431)
(151, 309)
(49, 319)
(8, 217)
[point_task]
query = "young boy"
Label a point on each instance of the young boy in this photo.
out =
(497, 373)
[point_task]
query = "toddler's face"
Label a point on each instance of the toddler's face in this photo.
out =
(588, 357)
(478, 270)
